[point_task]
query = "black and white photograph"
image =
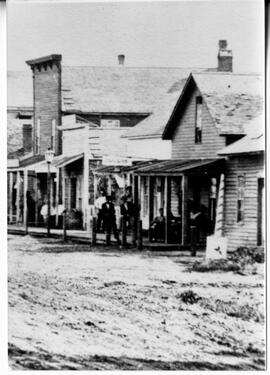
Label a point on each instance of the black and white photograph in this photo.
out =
(135, 185)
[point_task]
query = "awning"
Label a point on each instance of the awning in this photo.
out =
(25, 163)
(176, 167)
(58, 162)
(108, 169)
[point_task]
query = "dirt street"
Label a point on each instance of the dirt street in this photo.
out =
(72, 308)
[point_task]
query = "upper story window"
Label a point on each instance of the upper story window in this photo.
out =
(198, 120)
(240, 197)
(110, 123)
(53, 135)
(37, 140)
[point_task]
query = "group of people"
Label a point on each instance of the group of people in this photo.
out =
(106, 215)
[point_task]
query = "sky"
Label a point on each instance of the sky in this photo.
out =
(174, 34)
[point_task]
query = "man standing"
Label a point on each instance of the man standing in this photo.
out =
(108, 215)
(98, 205)
(126, 211)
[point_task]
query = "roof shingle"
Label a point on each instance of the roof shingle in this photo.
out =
(233, 100)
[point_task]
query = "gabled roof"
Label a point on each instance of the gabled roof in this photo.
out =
(153, 125)
(246, 145)
(253, 142)
(233, 100)
(118, 89)
(20, 89)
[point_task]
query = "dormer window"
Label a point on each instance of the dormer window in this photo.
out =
(198, 120)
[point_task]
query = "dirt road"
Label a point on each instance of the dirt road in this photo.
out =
(70, 308)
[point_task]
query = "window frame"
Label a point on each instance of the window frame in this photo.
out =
(240, 198)
(198, 119)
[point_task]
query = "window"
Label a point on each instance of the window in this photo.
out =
(110, 123)
(37, 140)
(240, 198)
(53, 135)
(198, 120)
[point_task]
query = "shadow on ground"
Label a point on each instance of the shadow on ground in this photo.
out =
(30, 360)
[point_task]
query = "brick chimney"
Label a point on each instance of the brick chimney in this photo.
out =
(121, 59)
(47, 103)
(27, 137)
(225, 57)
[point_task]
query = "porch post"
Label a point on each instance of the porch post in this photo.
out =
(95, 186)
(64, 188)
(139, 179)
(10, 196)
(128, 178)
(25, 188)
(85, 188)
(57, 196)
(166, 208)
(184, 209)
(18, 197)
(36, 197)
(109, 184)
(150, 205)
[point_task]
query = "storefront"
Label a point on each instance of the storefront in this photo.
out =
(181, 188)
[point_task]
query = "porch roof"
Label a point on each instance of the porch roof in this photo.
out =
(179, 166)
(58, 162)
(122, 169)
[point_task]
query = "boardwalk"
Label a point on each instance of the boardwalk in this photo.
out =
(83, 236)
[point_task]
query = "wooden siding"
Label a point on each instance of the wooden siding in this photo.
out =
(242, 233)
(183, 139)
(107, 142)
(75, 141)
(152, 148)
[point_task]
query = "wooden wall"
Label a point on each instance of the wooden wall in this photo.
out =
(183, 139)
(242, 233)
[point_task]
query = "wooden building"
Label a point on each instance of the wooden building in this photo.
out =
(244, 206)
(19, 137)
(213, 111)
(169, 124)
(83, 114)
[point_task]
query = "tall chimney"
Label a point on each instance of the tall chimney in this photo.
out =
(47, 81)
(27, 137)
(225, 57)
(121, 59)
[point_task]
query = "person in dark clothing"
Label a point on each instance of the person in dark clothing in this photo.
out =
(198, 219)
(158, 227)
(126, 210)
(108, 214)
(30, 207)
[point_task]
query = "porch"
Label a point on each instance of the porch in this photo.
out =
(28, 187)
(184, 190)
